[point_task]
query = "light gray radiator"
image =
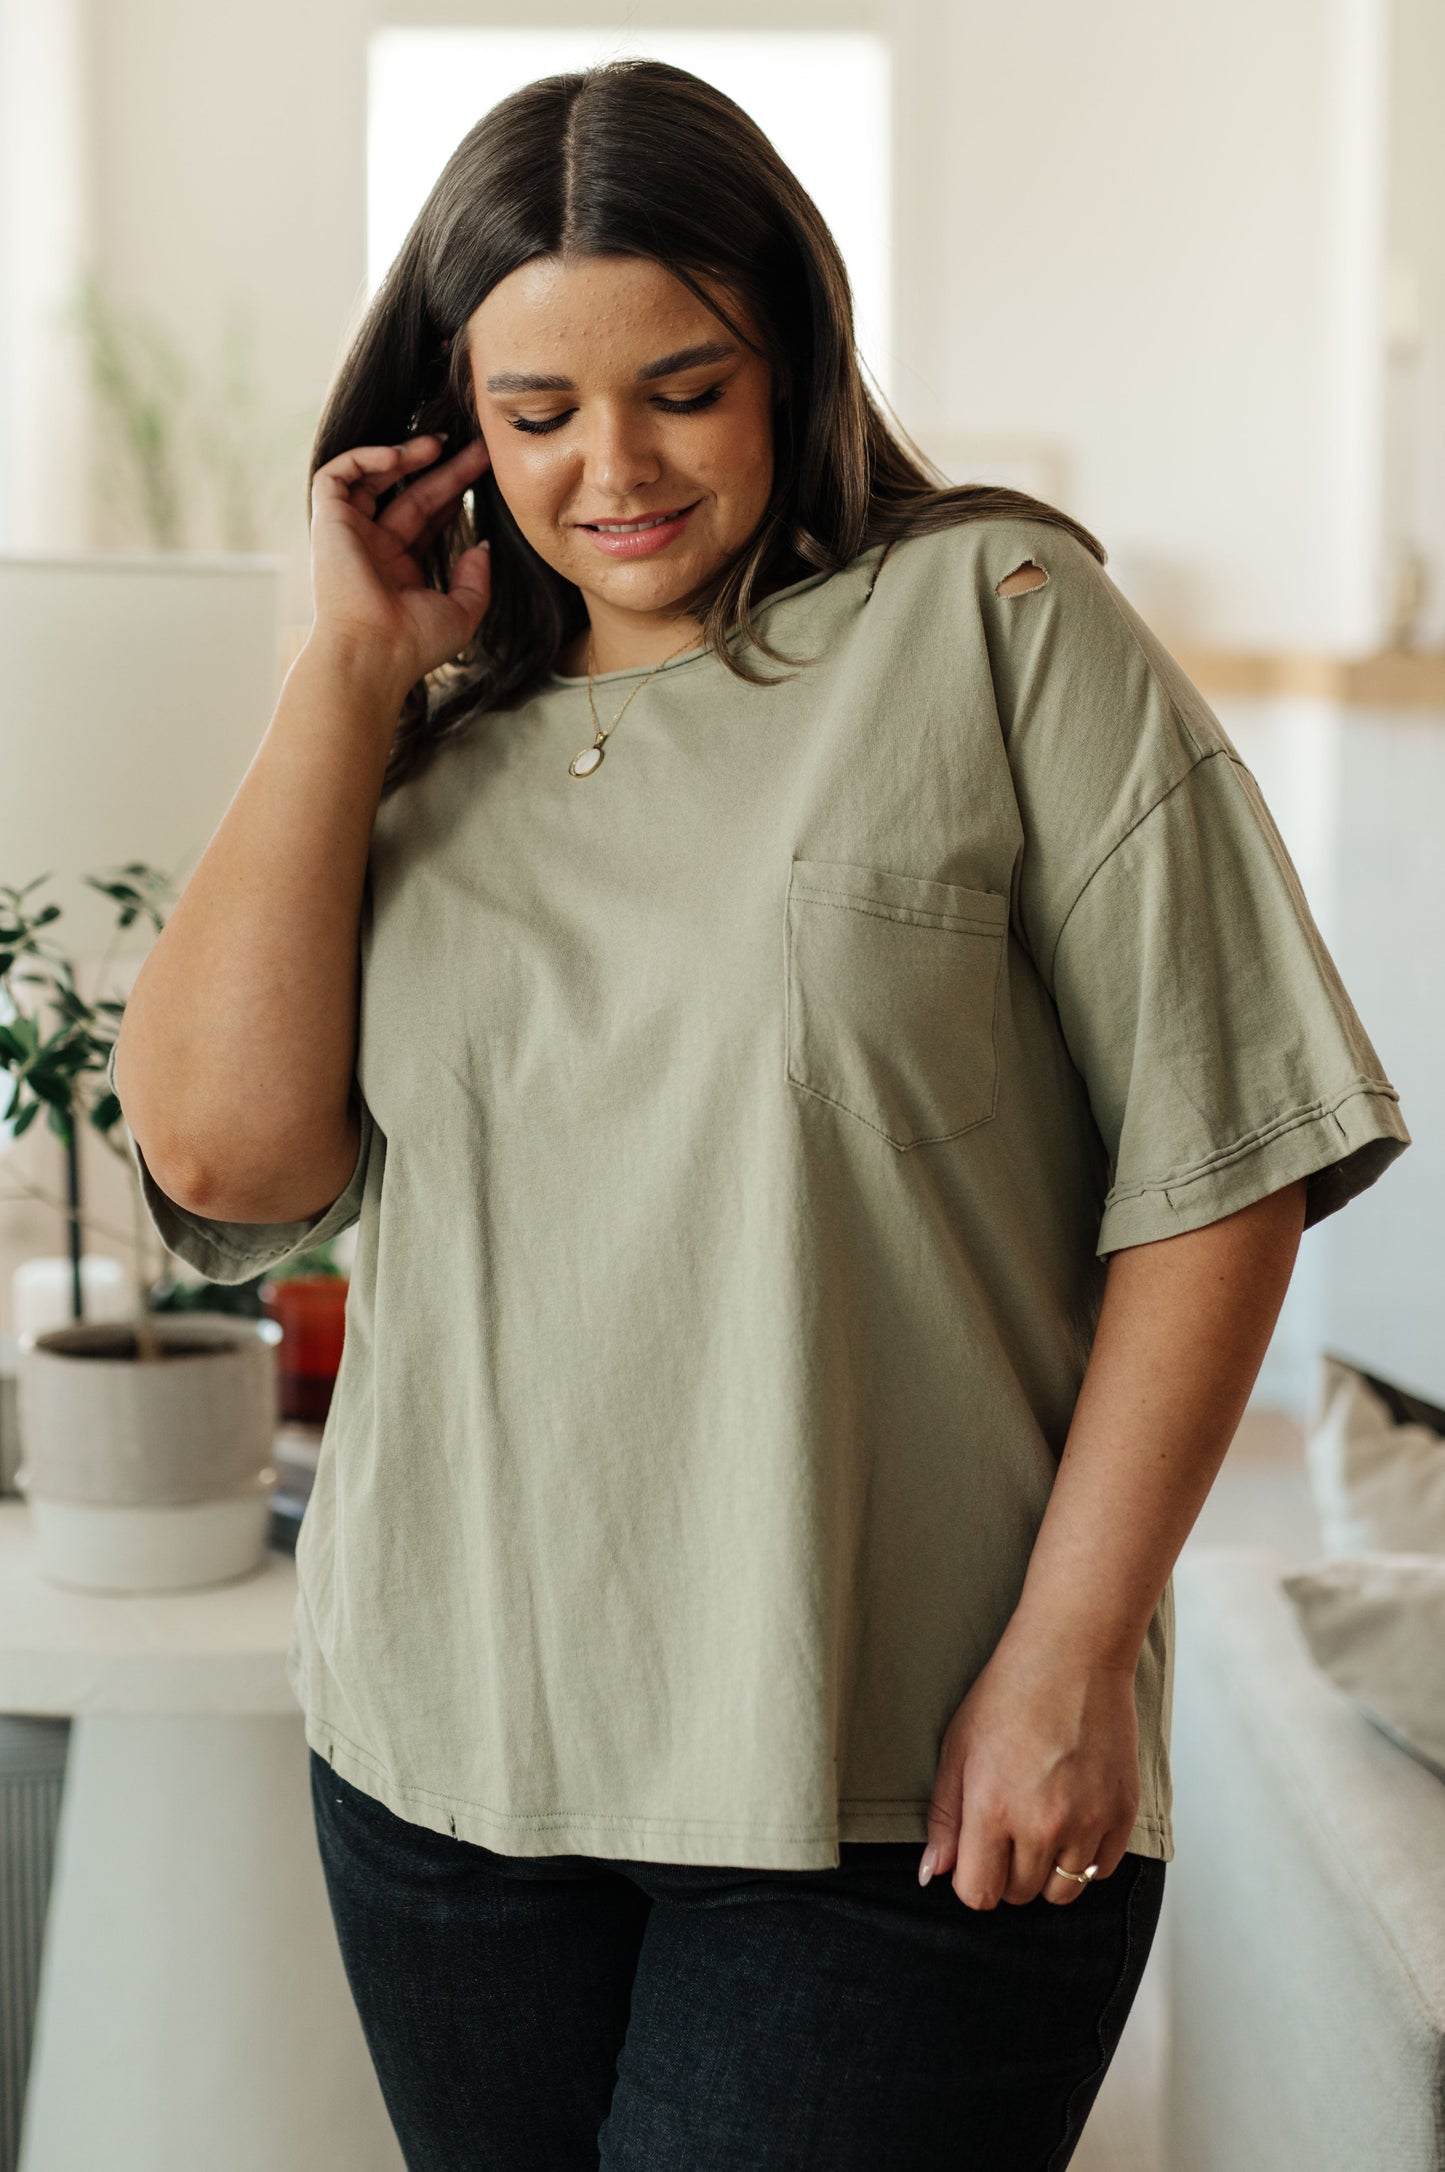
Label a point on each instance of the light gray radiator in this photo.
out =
(32, 1773)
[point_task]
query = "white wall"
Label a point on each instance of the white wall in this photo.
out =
(230, 148)
(1357, 795)
(1130, 222)
(46, 200)
(1415, 355)
(1384, 1256)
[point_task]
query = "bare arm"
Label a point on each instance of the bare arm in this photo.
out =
(1182, 1333)
(238, 1044)
(239, 1038)
(1040, 1763)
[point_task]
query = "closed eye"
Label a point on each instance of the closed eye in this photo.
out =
(669, 407)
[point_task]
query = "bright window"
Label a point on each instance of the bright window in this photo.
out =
(822, 97)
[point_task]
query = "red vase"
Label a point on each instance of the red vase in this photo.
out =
(311, 1310)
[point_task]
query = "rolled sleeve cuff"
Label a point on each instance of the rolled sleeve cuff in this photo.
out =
(233, 1252)
(1340, 1146)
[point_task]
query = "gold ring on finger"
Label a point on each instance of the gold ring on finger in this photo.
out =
(1082, 1877)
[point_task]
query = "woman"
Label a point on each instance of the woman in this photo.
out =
(827, 1169)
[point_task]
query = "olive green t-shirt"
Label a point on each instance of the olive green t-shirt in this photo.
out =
(746, 1126)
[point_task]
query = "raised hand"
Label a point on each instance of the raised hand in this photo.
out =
(368, 587)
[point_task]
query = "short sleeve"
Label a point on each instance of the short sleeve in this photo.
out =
(229, 1252)
(1222, 1055)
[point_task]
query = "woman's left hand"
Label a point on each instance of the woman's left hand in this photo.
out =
(1039, 1765)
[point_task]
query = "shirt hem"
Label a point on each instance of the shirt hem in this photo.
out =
(1341, 1146)
(722, 1842)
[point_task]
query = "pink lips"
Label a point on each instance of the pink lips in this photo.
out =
(644, 541)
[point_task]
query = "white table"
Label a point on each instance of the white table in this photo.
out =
(194, 2013)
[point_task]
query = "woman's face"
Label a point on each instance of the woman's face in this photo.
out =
(583, 426)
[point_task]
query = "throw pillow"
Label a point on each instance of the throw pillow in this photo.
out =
(1376, 1459)
(1376, 1626)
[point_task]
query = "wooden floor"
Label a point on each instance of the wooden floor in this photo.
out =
(1260, 1497)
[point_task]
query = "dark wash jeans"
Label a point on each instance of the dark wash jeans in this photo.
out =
(550, 2013)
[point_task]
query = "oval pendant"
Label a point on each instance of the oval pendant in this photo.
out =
(583, 764)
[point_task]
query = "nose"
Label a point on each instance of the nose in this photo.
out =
(619, 455)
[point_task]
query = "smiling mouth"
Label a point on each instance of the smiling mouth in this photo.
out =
(635, 527)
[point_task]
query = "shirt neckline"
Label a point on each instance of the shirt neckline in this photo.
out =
(691, 656)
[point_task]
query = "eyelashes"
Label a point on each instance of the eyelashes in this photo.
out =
(669, 407)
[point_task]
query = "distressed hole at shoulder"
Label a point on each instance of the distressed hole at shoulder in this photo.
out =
(1029, 575)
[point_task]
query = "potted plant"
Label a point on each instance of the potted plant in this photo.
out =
(147, 1442)
(307, 1297)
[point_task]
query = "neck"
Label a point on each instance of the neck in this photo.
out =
(632, 650)
(630, 641)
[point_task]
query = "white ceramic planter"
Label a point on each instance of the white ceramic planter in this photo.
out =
(154, 1476)
(150, 1549)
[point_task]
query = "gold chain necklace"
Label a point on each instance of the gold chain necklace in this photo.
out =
(583, 764)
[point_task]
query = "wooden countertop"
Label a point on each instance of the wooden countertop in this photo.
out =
(1392, 679)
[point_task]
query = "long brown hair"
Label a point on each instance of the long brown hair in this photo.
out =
(634, 157)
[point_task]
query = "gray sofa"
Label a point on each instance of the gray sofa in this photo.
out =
(1304, 1956)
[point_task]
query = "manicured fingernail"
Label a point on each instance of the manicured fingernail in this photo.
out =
(929, 1863)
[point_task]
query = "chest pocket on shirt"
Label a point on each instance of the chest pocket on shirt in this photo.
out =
(892, 997)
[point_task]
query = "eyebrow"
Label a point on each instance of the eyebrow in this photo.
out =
(685, 358)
